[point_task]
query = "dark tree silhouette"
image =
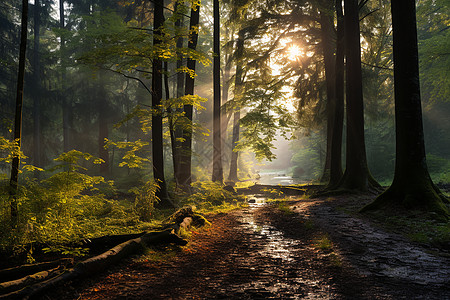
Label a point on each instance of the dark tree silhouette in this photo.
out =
(217, 174)
(37, 86)
(185, 173)
(337, 106)
(357, 175)
(412, 186)
(328, 48)
(157, 127)
(18, 116)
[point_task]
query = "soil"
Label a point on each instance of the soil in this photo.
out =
(265, 251)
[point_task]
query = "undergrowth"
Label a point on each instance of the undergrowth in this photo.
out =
(69, 205)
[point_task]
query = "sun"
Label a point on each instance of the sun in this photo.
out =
(294, 52)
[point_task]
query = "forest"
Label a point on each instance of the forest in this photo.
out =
(119, 117)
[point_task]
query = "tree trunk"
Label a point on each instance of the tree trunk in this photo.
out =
(157, 127)
(328, 47)
(412, 186)
(37, 155)
(102, 127)
(225, 89)
(233, 176)
(64, 103)
(186, 146)
(356, 176)
(177, 132)
(18, 116)
(338, 103)
(238, 90)
(217, 174)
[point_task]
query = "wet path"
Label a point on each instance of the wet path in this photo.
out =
(374, 252)
(264, 253)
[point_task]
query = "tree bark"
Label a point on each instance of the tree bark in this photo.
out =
(64, 102)
(338, 103)
(356, 176)
(238, 90)
(186, 146)
(37, 155)
(217, 174)
(18, 116)
(328, 48)
(412, 186)
(177, 132)
(102, 127)
(157, 127)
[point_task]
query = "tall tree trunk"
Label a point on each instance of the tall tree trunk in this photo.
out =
(328, 48)
(176, 131)
(356, 174)
(217, 174)
(233, 175)
(18, 116)
(186, 146)
(412, 186)
(238, 90)
(102, 127)
(338, 103)
(37, 155)
(62, 94)
(157, 127)
(225, 90)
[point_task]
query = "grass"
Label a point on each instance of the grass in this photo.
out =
(323, 243)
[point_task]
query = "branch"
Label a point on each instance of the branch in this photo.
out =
(379, 67)
(130, 77)
(169, 9)
(368, 14)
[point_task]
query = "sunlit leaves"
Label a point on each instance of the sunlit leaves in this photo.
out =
(131, 159)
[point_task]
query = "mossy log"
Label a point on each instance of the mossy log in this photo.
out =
(14, 285)
(28, 269)
(98, 263)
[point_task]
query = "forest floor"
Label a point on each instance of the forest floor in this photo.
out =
(299, 249)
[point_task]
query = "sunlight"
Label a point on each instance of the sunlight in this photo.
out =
(294, 52)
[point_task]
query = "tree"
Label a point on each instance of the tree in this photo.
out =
(328, 48)
(18, 115)
(217, 140)
(412, 186)
(238, 90)
(185, 172)
(37, 86)
(357, 175)
(337, 106)
(157, 127)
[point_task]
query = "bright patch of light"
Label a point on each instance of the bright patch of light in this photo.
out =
(294, 52)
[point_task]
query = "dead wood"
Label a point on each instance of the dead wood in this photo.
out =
(24, 270)
(98, 263)
(9, 286)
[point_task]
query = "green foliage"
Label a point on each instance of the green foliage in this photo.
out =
(130, 159)
(307, 158)
(209, 191)
(323, 242)
(9, 150)
(145, 200)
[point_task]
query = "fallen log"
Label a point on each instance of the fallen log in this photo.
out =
(108, 241)
(24, 270)
(98, 263)
(14, 285)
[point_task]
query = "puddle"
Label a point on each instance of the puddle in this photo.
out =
(282, 276)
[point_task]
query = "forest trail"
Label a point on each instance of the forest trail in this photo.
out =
(266, 252)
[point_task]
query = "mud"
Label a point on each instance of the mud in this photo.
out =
(262, 252)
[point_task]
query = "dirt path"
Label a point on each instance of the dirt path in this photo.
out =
(262, 252)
